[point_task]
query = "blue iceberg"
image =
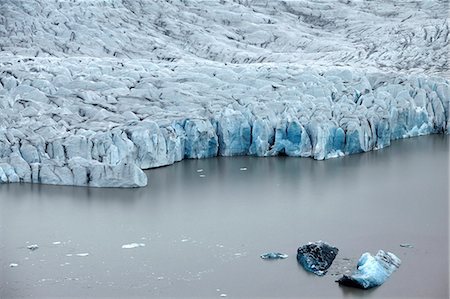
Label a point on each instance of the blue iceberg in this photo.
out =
(317, 257)
(372, 271)
(273, 256)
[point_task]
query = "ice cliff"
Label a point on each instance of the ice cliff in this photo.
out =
(92, 92)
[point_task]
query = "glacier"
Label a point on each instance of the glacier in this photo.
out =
(94, 92)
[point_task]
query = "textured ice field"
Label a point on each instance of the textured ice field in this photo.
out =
(92, 91)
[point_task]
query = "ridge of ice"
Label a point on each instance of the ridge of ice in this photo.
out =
(84, 101)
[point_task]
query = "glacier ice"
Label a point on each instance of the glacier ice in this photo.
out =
(316, 257)
(33, 247)
(133, 245)
(84, 254)
(273, 256)
(84, 102)
(372, 271)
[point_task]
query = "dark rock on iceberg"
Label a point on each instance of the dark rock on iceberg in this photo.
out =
(317, 257)
(372, 271)
(273, 256)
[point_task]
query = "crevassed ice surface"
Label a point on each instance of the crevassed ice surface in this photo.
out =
(94, 91)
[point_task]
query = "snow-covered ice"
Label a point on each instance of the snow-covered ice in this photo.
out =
(93, 92)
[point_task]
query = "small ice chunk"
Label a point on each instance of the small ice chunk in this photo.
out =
(223, 295)
(243, 168)
(273, 255)
(33, 247)
(12, 265)
(202, 175)
(200, 170)
(56, 243)
(82, 254)
(184, 240)
(132, 245)
(160, 278)
(406, 245)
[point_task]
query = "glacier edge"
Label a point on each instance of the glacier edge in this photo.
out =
(317, 115)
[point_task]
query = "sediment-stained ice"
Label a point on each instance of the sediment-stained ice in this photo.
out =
(372, 271)
(316, 257)
(93, 92)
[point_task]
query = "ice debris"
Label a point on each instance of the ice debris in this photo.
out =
(132, 245)
(372, 271)
(33, 247)
(316, 257)
(82, 254)
(406, 245)
(273, 255)
(13, 265)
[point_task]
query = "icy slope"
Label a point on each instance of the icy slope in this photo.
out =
(91, 92)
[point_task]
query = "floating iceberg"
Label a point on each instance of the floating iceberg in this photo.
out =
(33, 247)
(83, 103)
(317, 257)
(132, 245)
(372, 271)
(273, 256)
(84, 254)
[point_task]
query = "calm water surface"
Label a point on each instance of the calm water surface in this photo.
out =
(204, 224)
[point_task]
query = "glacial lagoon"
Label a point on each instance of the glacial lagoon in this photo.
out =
(198, 229)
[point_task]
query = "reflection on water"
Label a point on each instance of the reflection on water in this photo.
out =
(204, 224)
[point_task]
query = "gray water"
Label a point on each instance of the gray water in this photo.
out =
(203, 235)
